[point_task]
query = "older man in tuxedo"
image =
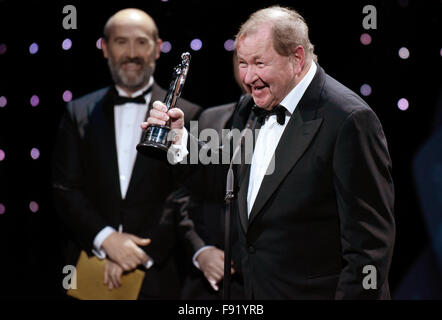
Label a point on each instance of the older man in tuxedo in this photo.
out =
(320, 225)
(109, 197)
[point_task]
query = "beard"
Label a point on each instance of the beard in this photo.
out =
(130, 80)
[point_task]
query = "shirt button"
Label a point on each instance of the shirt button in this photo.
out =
(251, 249)
(123, 177)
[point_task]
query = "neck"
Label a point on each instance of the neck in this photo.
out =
(303, 72)
(131, 91)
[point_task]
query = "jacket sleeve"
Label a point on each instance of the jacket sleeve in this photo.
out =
(68, 182)
(365, 200)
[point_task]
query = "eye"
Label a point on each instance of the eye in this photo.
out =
(260, 64)
(120, 41)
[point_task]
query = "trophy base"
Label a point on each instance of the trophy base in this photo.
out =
(155, 142)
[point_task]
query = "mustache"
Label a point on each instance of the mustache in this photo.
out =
(136, 60)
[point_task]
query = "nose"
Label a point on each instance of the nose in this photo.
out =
(132, 50)
(250, 75)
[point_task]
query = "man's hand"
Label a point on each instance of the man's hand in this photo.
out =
(112, 275)
(158, 115)
(122, 248)
(211, 261)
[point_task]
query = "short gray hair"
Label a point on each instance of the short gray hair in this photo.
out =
(289, 30)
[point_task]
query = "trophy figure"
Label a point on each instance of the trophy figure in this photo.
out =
(157, 139)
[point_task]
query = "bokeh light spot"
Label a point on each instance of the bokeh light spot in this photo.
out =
(3, 48)
(365, 39)
(33, 48)
(67, 96)
(67, 44)
(35, 100)
(3, 101)
(403, 104)
(166, 47)
(33, 206)
(229, 45)
(404, 53)
(365, 90)
(196, 44)
(35, 153)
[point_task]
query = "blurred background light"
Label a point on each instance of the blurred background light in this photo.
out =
(365, 39)
(67, 44)
(3, 48)
(2, 155)
(33, 48)
(196, 44)
(33, 206)
(403, 104)
(98, 43)
(166, 47)
(35, 153)
(404, 53)
(2, 208)
(365, 90)
(35, 100)
(3, 101)
(67, 96)
(229, 45)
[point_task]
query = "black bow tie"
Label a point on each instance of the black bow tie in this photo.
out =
(138, 99)
(261, 113)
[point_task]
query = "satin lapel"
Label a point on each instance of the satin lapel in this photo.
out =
(107, 142)
(296, 138)
(299, 133)
(244, 177)
(142, 162)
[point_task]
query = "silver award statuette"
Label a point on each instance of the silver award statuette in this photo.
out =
(156, 140)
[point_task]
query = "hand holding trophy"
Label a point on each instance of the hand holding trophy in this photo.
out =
(157, 139)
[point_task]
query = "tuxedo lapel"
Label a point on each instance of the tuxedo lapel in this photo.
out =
(244, 177)
(295, 140)
(298, 135)
(106, 141)
(141, 165)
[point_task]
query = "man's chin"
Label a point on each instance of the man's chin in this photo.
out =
(261, 103)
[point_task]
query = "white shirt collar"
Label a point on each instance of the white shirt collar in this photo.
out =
(292, 99)
(123, 93)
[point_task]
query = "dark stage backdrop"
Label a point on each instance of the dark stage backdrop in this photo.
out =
(30, 256)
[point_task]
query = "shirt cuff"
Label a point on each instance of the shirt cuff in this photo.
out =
(195, 262)
(149, 264)
(177, 152)
(99, 238)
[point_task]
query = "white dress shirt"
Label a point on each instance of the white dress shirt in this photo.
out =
(128, 118)
(269, 136)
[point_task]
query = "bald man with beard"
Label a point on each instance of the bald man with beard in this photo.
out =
(109, 197)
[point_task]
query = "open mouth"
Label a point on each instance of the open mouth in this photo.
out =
(257, 89)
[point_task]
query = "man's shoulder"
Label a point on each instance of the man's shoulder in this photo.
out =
(87, 101)
(339, 101)
(92, 96)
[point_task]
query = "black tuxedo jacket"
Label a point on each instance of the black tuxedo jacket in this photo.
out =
(87, 192)
(327, 210)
